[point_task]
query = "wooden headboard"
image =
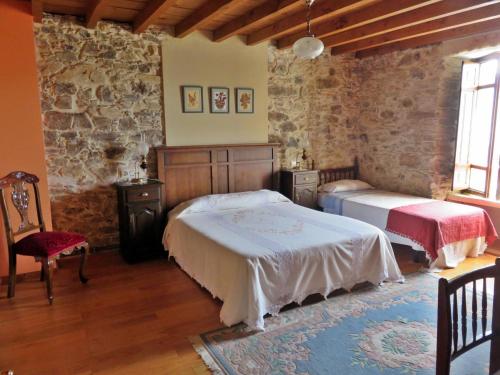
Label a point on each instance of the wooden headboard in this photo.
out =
(192, 171)
(335, 174)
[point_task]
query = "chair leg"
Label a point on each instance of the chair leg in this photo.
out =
(47, 270)
(83, 264)
(12, 276)
(42, 274)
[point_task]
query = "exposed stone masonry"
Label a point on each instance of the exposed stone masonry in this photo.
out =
(311, 107)
(100, 90)
(397, 112)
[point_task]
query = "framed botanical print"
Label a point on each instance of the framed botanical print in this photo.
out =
(192, 99)
(219, 100)
(244, 100)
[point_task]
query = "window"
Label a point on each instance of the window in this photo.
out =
(478, 142)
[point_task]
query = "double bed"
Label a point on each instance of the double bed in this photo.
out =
(250, 246)
(446, 233)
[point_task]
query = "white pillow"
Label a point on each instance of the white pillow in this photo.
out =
(345, 185)
(218, 202)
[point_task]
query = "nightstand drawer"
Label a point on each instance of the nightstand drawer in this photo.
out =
(306, 195)
(144, 194)
(306, 178)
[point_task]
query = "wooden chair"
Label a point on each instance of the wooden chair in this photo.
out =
(449, 321)
(44, 246)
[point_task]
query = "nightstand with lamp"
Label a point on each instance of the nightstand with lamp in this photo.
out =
(140, 212)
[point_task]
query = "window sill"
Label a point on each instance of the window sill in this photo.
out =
(472, 199)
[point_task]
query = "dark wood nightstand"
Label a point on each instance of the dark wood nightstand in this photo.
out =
(141, 220)
(300, 186)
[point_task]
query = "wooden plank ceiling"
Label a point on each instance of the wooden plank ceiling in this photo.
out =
(366, 27)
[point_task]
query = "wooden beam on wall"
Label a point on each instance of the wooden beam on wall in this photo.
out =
(204, 14)
(363, 16)
(150, 14)
(319, 11)
(427, 13)
(37, 10)
(440, 24)
(442, 36)
(95, 12)
(271, 8)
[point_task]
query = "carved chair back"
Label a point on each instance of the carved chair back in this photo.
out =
(16, 186)
(460, 330)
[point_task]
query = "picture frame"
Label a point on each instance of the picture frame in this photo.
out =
(245, 100)
(192, 99)
(219, 100)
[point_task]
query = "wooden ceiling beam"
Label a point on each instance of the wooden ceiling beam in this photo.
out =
(319, 11)
(150, 14)
(37, 10)
(424, 14)
(204, 14)
(442, 36)
(95, 12)
(363, 16)
(262, 13)
(441, 24)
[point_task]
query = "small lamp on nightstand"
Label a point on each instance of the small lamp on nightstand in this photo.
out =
(142, 149)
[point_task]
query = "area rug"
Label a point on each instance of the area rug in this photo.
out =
(376, 330)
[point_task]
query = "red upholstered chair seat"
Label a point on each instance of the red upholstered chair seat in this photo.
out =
(46, 244)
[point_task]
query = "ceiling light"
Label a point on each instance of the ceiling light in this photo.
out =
(308, 47)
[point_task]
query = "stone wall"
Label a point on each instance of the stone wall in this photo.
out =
(100, 90)
(398, 112)
(408, 115)
(311, 107)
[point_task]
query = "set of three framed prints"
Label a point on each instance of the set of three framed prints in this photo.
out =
(192, 99)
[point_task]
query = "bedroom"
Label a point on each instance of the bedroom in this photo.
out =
(91, 87)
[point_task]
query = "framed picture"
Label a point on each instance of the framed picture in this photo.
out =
(219, 100)
(244, 100)
(192, 99)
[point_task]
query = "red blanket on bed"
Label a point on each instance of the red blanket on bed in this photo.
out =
(438, 223)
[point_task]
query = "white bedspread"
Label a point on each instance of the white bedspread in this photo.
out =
(373, 206)
(258, 259)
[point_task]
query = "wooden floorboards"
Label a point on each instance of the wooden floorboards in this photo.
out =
(129, 319)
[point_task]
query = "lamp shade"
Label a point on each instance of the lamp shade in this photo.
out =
(142, 148)
(308, 47)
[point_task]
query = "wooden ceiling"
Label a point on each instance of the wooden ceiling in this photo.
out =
(366, 27)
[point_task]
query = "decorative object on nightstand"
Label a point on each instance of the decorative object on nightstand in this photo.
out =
(300, 186)
(142, 149)
(141, 219)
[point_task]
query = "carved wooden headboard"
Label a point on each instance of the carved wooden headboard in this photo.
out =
(192, 171)
(335, 174)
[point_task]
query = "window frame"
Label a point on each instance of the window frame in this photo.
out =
(494, 121)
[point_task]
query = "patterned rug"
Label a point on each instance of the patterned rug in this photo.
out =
(375, 330)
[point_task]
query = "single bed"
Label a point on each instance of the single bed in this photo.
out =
(391, 212)
(257, 251)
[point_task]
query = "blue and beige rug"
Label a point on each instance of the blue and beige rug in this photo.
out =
(375, 330)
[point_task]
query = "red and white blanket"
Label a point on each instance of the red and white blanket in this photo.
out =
(439, 223)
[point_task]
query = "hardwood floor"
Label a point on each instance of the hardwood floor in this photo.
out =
(129, 319)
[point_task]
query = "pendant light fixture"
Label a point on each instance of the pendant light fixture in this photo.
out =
(308, 47)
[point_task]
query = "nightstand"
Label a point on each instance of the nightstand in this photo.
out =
(300, 186)
(141, 219)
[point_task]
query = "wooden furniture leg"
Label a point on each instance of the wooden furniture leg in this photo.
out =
(12, 275)
(42, 274)
(83, 264)
(47, 270)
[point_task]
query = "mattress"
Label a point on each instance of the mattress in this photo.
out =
(261, 256)
(373, 206)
